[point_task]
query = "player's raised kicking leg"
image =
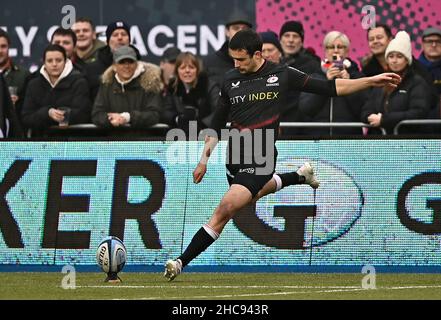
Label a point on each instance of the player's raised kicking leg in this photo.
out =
(237, 197)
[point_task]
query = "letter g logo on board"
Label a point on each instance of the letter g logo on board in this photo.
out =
(338, 203)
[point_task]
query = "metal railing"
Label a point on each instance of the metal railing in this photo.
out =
(163, 126)
(325, 125)
(92, 127)
(416, 122)
(88, 126)
(329, 125)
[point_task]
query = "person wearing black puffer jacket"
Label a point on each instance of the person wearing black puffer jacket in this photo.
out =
(192, 96)
(58, 85)
(410, 100)
(319, 108)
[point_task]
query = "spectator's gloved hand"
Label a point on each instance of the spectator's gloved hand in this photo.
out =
(190, 114)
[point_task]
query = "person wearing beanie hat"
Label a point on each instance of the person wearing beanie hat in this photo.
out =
(295, 55)
(291, 37)
(117, 34)
(400, 44)
(271, 49)
(293, 26)
(116, 26)
(410, 100)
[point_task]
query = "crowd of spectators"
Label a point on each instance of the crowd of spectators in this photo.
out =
(83, 80)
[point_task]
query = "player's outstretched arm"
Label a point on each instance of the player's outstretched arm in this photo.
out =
(348, 86)
(201, 168)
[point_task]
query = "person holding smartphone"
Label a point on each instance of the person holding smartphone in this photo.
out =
(318, 108)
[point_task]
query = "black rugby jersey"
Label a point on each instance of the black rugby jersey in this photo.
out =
(254, 100)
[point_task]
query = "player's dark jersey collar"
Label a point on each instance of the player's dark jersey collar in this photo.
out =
(234, 73)
(263, 67)
(264, 64)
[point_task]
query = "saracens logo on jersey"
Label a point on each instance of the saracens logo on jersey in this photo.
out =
(272, 81)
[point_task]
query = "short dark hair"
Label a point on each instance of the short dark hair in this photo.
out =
(385, 27)
(248, 40)
(54, 47)
(4, 34)
(87, 20)
(65, 32)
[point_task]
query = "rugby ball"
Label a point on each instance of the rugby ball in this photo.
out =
(111, 255)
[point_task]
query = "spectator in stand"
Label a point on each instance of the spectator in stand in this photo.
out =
(375, 62)
(191, 96)
(87, 44)
(219, 62)
(431, 59)
(271, 49)
(293, 54)
(9, 123)
(118, 35)
(58, 85)
(431, 55)
(68, 40)
(129, 95)
(318, 108)
(410, 100)
(167, 65)
(15, 76)
(292, 36)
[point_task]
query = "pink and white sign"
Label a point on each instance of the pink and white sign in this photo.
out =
(321, 16)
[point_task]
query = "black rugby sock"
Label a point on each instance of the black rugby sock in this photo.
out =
(291, 178)
(200, 242)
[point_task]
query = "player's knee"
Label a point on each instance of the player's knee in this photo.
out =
(227, 208)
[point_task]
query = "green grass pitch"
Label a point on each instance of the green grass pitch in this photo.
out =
(221, 286)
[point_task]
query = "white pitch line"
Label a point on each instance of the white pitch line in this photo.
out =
(299, 292)
(254, 294)
(410, 287)
(217, 287)
(250, 287)
(330, 289)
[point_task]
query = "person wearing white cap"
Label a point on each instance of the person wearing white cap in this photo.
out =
(410, 100)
